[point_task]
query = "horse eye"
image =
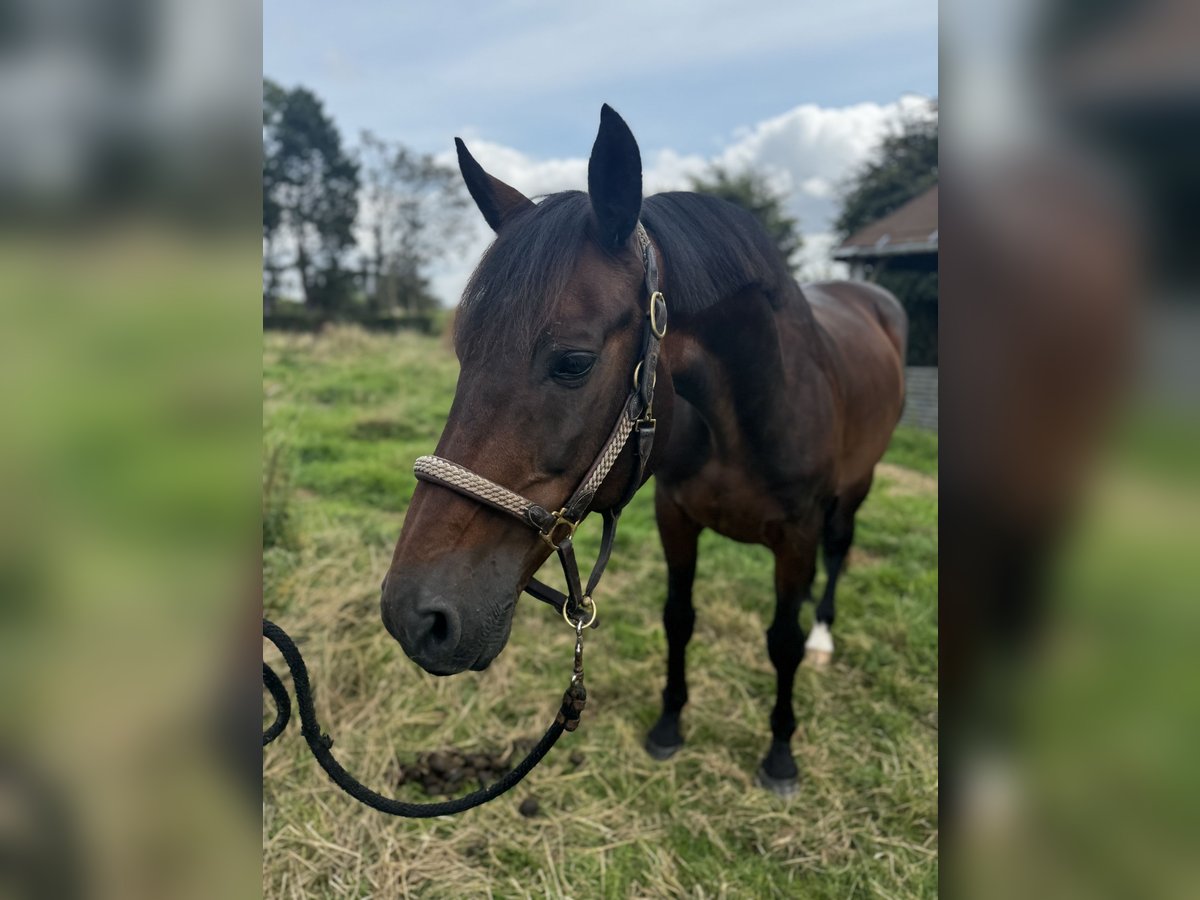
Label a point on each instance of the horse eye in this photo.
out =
(573, 366)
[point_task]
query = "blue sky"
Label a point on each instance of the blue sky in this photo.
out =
(800, 90)
(533, 75)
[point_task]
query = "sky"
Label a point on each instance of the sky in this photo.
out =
(801, 91)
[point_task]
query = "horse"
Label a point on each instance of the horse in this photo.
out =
(772, 404)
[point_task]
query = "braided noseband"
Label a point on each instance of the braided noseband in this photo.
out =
(557, 528)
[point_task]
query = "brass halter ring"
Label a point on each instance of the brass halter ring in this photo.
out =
(580, 625)
(637, 375)
(660, 332)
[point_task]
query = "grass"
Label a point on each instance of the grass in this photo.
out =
(351, 412)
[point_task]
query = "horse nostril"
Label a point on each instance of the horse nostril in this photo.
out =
(439, 630)
(427, 624)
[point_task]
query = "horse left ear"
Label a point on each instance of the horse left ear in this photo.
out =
(615, 179)
(497, 201)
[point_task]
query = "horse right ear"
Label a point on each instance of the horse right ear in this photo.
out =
(497, 201)
(615, 179)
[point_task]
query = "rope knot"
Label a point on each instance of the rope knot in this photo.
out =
(573, 703)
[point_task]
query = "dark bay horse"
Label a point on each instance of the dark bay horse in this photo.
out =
(773, 406)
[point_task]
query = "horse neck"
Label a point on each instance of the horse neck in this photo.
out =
(728, 362)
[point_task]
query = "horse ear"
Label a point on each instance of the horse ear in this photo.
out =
(496, 200)
(615, 179)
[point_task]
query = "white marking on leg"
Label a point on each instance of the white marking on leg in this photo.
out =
(820, 639)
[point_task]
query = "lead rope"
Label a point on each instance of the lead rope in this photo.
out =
(320, 743)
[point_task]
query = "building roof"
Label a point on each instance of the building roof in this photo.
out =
(913, 228)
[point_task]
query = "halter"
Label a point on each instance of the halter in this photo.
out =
(557, 528)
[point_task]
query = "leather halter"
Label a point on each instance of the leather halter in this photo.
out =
(557, 528)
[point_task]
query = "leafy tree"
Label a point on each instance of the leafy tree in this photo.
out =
(750, 191)
(905, 164)
(310, 195)
(415, 212)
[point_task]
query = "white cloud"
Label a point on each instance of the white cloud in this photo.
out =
(807, 152)
(811, 150)
(532, 177)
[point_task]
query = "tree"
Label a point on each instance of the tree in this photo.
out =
(310, 196)
(905, 164)
(414, 212)
(750, 190)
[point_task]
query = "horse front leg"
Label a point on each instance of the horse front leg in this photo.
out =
(680, 536)
(795, 567)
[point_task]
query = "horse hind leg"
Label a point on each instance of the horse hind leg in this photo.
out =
(836, 539)
(680, 536)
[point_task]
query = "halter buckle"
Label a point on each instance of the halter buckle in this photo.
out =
(560, 522)
(637, 377)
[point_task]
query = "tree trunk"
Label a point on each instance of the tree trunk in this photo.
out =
(377, 292)
(303, 267)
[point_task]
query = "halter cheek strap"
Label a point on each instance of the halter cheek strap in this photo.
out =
(557, 528)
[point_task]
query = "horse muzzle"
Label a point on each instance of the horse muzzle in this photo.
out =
(447, 623)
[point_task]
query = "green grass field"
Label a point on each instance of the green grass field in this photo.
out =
(345, 414)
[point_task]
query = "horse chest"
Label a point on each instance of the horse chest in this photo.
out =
(726, 499)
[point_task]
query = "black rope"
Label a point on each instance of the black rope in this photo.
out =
(283, 704)
(319, 742)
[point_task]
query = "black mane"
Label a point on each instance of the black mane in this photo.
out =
(712, 249)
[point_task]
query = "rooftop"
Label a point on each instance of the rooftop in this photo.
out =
(913, 228)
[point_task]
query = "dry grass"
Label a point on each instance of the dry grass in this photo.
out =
(899, 480)
(619, 824)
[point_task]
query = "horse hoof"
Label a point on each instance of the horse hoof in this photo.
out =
(659, 752)
(818, 659)
(780, 787)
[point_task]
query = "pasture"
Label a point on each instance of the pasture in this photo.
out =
(345, 415)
